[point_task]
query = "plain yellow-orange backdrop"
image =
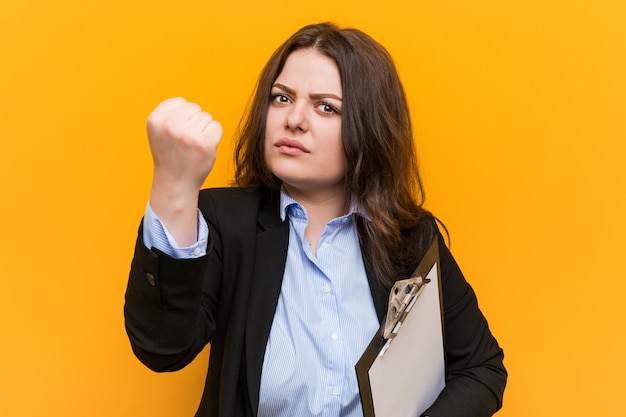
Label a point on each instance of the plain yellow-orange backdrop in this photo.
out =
(520, 114)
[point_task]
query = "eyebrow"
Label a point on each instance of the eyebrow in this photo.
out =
(316, 96)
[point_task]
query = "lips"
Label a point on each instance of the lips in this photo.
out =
(291, 147)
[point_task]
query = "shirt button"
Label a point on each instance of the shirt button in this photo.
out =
(326, 289)
(335, 391)
(197, 251)
(324, 245)
(334, 336)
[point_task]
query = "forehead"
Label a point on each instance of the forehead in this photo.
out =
(308, 69)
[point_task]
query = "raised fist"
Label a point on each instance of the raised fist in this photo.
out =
(183, 141)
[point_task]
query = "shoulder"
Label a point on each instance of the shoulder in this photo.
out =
(420, 235)
(235, 203)
(229, 193)
(229, 198)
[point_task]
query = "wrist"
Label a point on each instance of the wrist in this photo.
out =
(177, 208)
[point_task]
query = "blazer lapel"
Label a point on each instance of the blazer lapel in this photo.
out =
(269, 265)
(380, 295)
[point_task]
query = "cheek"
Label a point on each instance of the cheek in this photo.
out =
(338, 158)
(342, 152)
(268, 135)
(337, 144)
(272, 120)
(266, 151)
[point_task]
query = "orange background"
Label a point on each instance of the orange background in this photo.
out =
(520, 113)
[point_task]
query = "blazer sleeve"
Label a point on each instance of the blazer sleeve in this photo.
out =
(170, 306)
(475, 373)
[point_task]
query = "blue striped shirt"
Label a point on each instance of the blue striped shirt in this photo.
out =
(156, 235)
(324, 320)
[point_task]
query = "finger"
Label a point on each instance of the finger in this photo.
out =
(213, 132)
(168, 105)
(207, 131)
(183, 112)
(163, 111)
(176, 119)
(200, 120)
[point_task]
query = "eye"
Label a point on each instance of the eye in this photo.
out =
(279, 98)
(327, 109)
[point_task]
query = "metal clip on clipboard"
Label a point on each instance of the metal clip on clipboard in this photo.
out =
(403, 296)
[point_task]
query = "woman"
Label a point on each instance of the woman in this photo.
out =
(287, 275)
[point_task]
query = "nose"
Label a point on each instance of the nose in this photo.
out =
(297, 118)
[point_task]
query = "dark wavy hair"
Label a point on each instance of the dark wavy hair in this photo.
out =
(382, 169)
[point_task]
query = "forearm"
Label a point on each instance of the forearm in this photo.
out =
(475, 373)
(164, 313)
(467, 396)
(177, 209)
(156, 235)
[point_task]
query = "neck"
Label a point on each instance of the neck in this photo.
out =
(321, 207)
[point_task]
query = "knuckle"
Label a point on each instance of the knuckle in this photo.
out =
(169, 127)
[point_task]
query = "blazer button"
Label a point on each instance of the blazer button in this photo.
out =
(151, 279)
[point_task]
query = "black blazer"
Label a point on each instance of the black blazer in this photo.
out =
(228, 297)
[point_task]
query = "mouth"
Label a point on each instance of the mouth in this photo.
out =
(291, 147)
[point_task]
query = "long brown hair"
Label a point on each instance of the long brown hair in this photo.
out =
(382, 169)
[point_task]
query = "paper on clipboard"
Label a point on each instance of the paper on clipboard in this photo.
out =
(402, 375)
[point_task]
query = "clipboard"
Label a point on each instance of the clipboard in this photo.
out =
(402, 371)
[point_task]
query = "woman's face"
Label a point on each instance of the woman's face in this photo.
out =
(303, 131)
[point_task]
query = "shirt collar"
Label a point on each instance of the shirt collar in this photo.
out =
(286, 202)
